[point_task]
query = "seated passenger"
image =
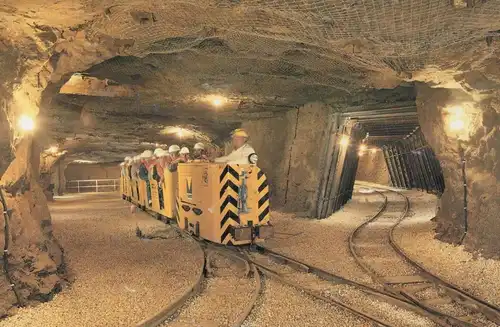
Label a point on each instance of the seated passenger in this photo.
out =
(200, 154)
(242, 152)
(122, 169)
(144, 172)
(173, 158)
(135, 168)
(184, 155)
(157, 173)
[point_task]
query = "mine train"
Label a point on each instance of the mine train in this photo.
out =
(222, 203)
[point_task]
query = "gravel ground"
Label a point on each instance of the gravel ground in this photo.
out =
(119, 279)
(323, 243)
(222, 299)
(469, 271)
(284, 306)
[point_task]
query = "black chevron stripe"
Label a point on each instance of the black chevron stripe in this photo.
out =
(260, 174)
(223, 174)
(229, 199)
(263, 199)
(263, 185)
(233, 172)
(263, 214)
(225, 234)
(227, 216)
(230, 184)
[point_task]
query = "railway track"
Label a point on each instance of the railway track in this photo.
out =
(373, 246)
(221, 276)
(170, 310)
(395, 292)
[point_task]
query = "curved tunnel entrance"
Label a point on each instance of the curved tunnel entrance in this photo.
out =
(392, 133)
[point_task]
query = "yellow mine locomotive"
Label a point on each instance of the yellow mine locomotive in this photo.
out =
(221, 203)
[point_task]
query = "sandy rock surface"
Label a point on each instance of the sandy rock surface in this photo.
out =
(119, 279)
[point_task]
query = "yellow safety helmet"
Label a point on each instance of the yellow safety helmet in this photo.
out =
(239, 132)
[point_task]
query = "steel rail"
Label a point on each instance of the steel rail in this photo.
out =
(253, 301)
(193, 290)
(383, 295)
(491, 311)
(296, 264)
(160, 317)
(461, 297)
(270, 273)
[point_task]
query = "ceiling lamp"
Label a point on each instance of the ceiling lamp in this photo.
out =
(217, 100)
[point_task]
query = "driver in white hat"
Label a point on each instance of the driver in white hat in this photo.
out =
(242, 152)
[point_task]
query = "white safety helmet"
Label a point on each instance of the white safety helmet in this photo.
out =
(122, 164)
(162, 153)
(147, 154)
(157, 151)
(184, 150)
(127, 159)
(199, 146)
(174, 148)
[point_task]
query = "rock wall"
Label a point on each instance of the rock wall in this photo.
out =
(35, 258)
(80, 171)
(481, 142)
(372, 168)
(290, 148)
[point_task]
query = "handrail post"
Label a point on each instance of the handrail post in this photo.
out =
(96, 186)
(78, 186)
(114, 185)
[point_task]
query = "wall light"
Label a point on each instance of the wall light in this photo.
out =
(360, 153)
(362, 148)
(26, 123)
(373, 150)
(457, 125)
(458, 120)
(344, 140)
(180, 133)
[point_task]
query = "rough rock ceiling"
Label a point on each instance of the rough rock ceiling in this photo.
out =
(264, 56)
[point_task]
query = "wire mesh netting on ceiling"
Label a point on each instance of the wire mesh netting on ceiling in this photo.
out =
(322, 43)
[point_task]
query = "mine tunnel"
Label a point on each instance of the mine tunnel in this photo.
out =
(250, 163)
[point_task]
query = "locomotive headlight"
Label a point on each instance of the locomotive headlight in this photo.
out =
(253, 158)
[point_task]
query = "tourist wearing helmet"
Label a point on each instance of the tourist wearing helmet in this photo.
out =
(184, 155)
(174, 157)
(134, 170)
(146, 159)
(200, 154)
(157, 171)
(242, 152)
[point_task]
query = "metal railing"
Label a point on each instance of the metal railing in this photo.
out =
(92, 185)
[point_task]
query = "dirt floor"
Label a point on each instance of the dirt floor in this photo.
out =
(119, 279)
